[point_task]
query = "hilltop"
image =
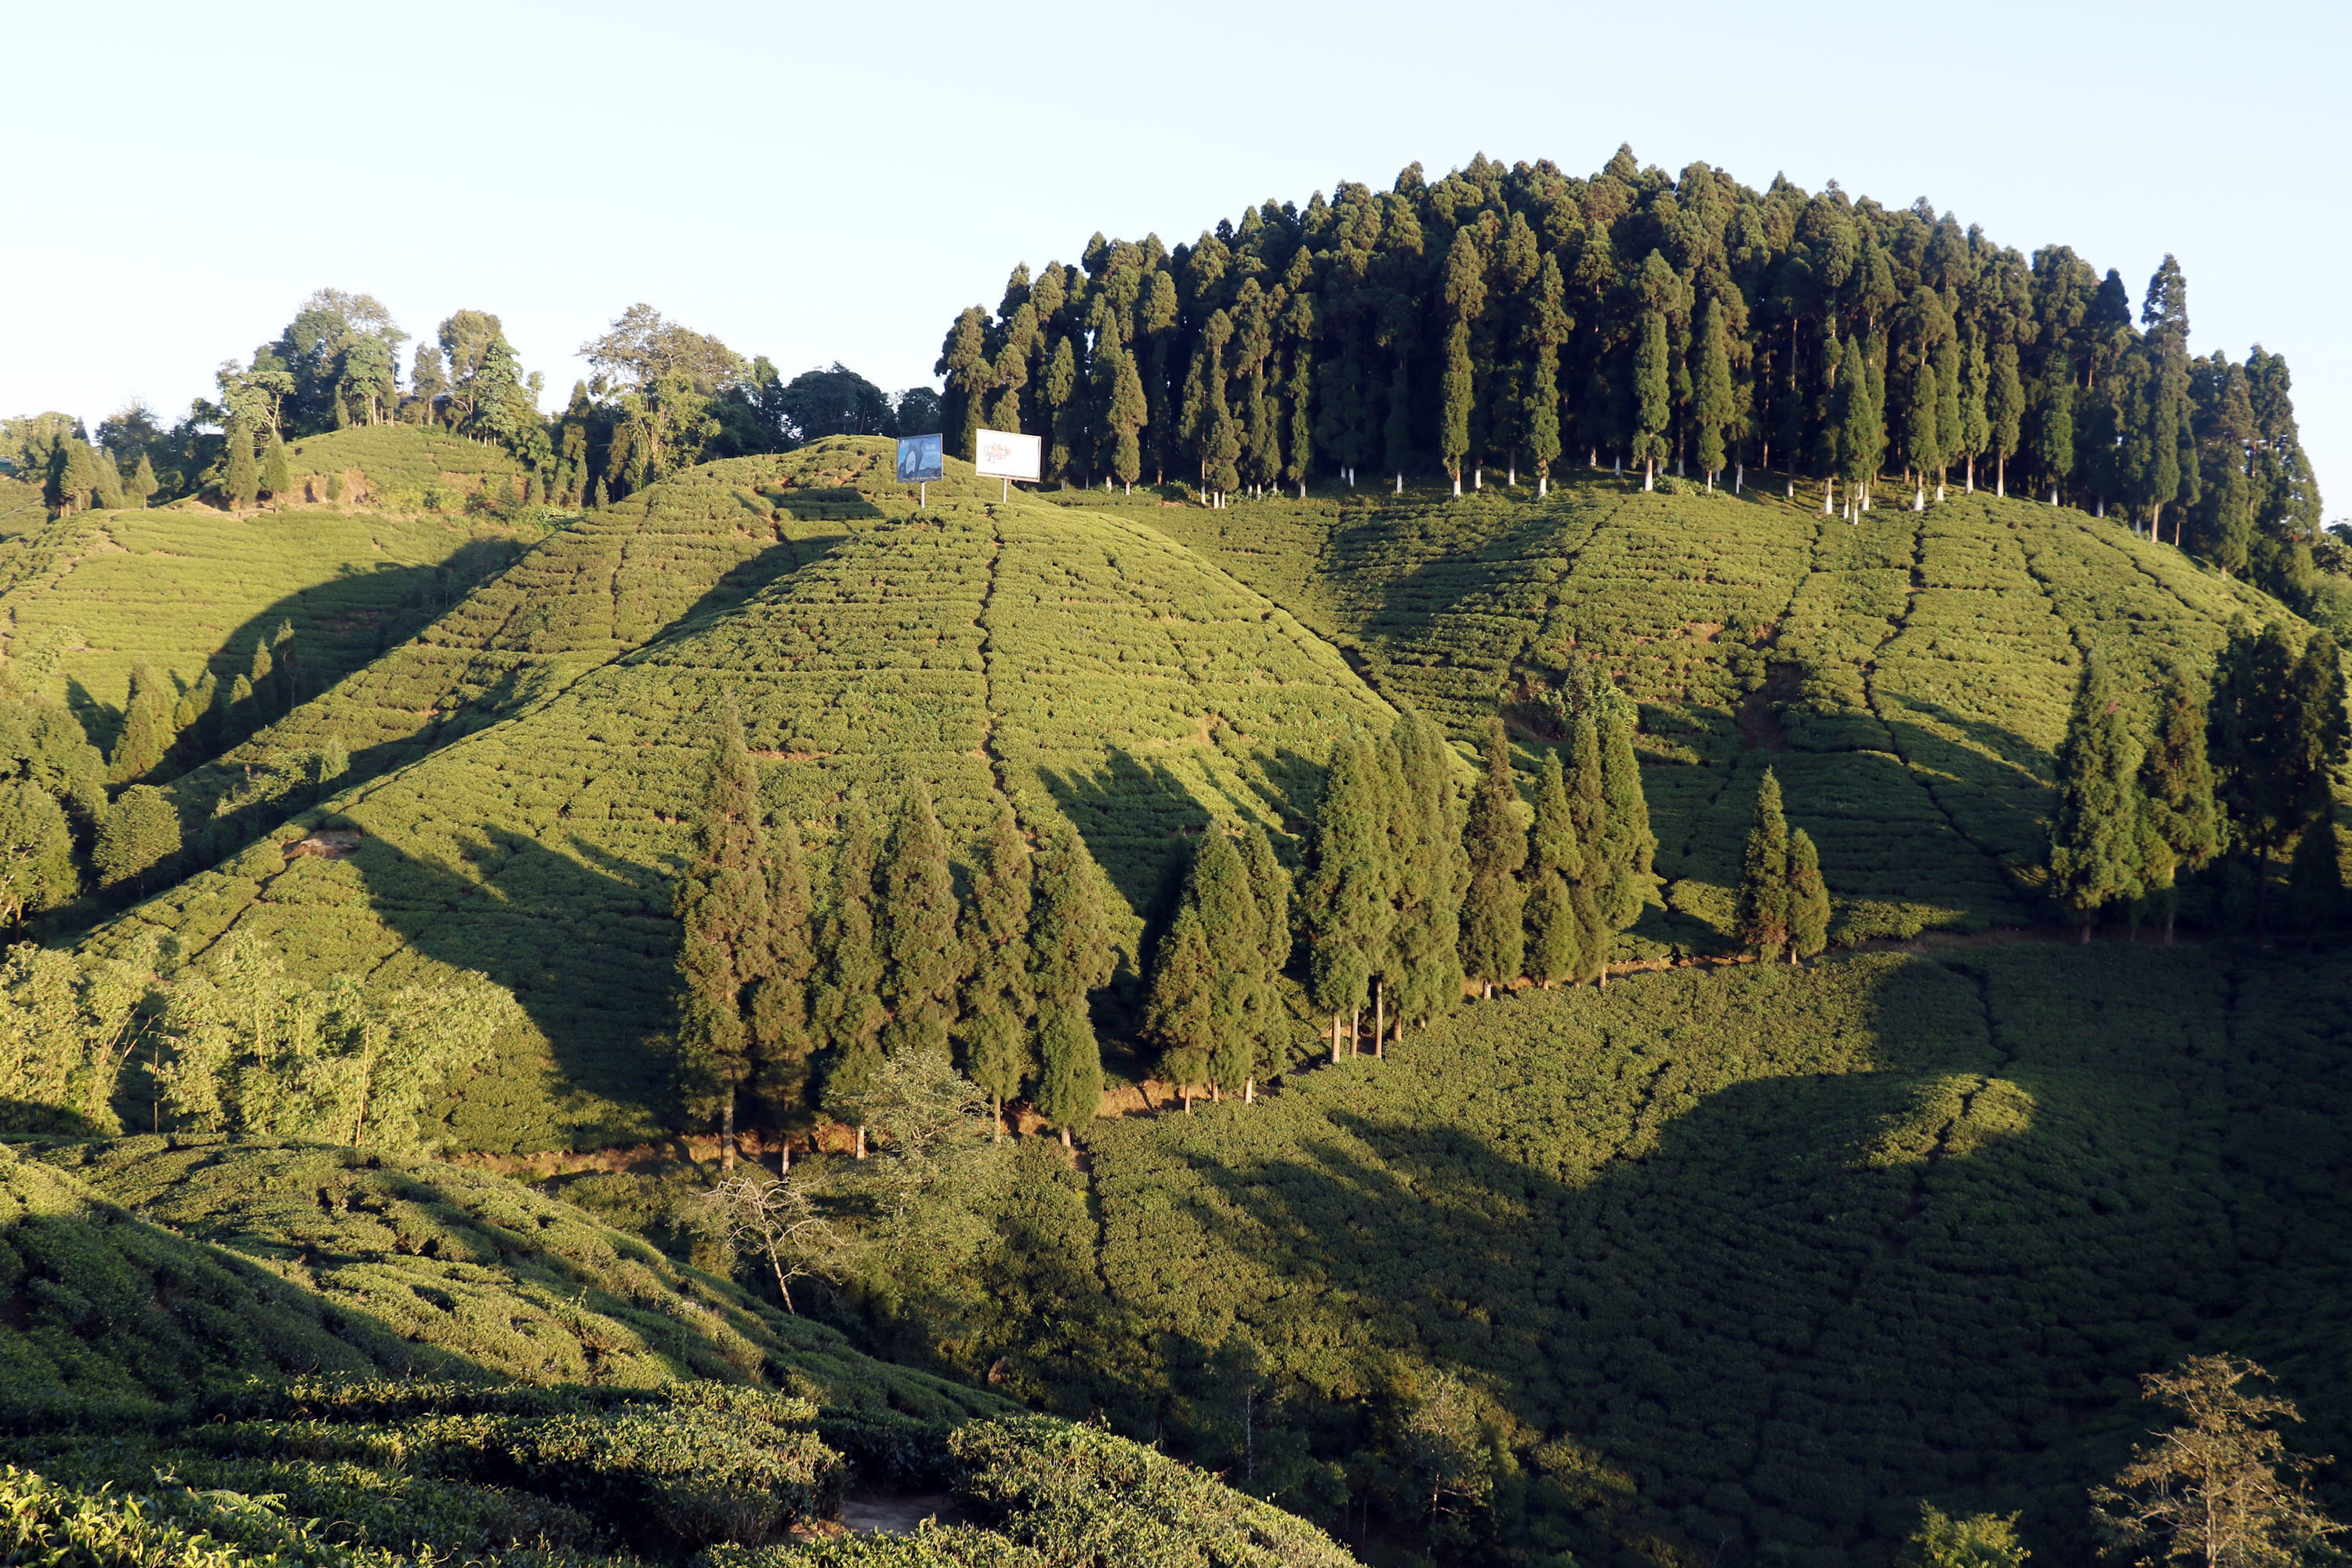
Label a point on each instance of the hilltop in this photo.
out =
(1081, 666)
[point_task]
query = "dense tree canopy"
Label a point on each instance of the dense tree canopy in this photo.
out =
(1500, 316)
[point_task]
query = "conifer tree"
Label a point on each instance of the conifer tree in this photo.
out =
(2004, 413)
(1651, 392)
(1809, 899)
(916, 922)
(273, 480)
(722, 913)
(2315, 872)
(1588, 806)
(2094, 842)
(1764, 911)
(2053, 441)
(1921, 440)
(1464, 298)
(1234, 924)
(1270, 889)
(2177, 783)
(999, 1000)
(1180, 1014)
(141, 490)
(1494, 910)
(849, 1011)
(1712, 402)
(140, 832)
(1628, 846)
(1976, 420)
(1071, 952)
(782, 1043)
(1548, 329)
(147, 732)
(240, 485)
(1424, 963)
(37, 852)
(1554, 936)
(1350, 892)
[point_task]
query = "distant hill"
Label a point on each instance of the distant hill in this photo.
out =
(1084, 667)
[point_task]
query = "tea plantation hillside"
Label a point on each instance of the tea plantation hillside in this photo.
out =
(1906, 677)
(1759, 1255)
(1081, 666)
(588, 593)
(223, 1353)
(189, 591)
(21, 509)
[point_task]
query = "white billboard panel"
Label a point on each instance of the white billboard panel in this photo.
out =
(1002, 454)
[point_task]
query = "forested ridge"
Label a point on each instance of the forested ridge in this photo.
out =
(1338, 938)
(1497, 319)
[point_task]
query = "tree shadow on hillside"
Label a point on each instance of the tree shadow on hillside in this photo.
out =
(585, 945)
(1447, 581)
(1991, 756)
(1794, 1306)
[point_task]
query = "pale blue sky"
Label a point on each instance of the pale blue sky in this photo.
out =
(822, 183)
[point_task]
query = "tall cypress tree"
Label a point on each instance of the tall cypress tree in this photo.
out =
(147, 733)
(1220, 890)
(1809, 899)
(1711, 402)
(849, 1010)
(141, 489)
(1464, 298)
(2177, 783)
(1493, 933)
(1548, 329)
(1921, 438)
(2316, 873)
(274, 479)
(781, 1039)
(1351, 891)
(1179, 1013)
(1764, 901)
(2054, 437)
(1071, 953)
(1270, 889)
(722, 913)
(241, 484)
(1555, 939)
(1628, 846)
(1000, 1001)
(1425, 963)
(2004, 413)
(2094, 842)
(1652, 406)
(1587, 805)
(2257, 735)
(916, 924)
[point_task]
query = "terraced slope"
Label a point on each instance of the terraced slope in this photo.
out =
(21, 507)
(1906, 677)
(1783, 1250)
(1084, 667)
(143, 1269)
(395, 467)
(585, 596)
(183, 590)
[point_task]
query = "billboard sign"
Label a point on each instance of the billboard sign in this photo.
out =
(918, 459)
(1003, 455)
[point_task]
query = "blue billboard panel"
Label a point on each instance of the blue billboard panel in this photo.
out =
(919, 459)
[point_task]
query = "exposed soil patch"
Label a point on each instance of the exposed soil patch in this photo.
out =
(898, 1513)
(327, 844)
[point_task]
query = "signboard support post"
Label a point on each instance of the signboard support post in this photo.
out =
(920, 462)
(1005, 456)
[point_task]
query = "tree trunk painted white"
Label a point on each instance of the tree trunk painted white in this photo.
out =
(861, 1139)
(1543, 486)
(1972, 474)
(1249, 1091)
(1457, 484)
(1399, 481)
(1649, 472)
(1478, 477)
(1739, 478)
(1513, 480)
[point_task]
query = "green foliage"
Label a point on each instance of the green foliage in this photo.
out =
(1976, 1541)
(724, 950)
(37, 858)
(1493, 931)
(917, 909)
(1766, 913)
(140, 834)
(2094, 848)
(66, 1026)
(256, 1054)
